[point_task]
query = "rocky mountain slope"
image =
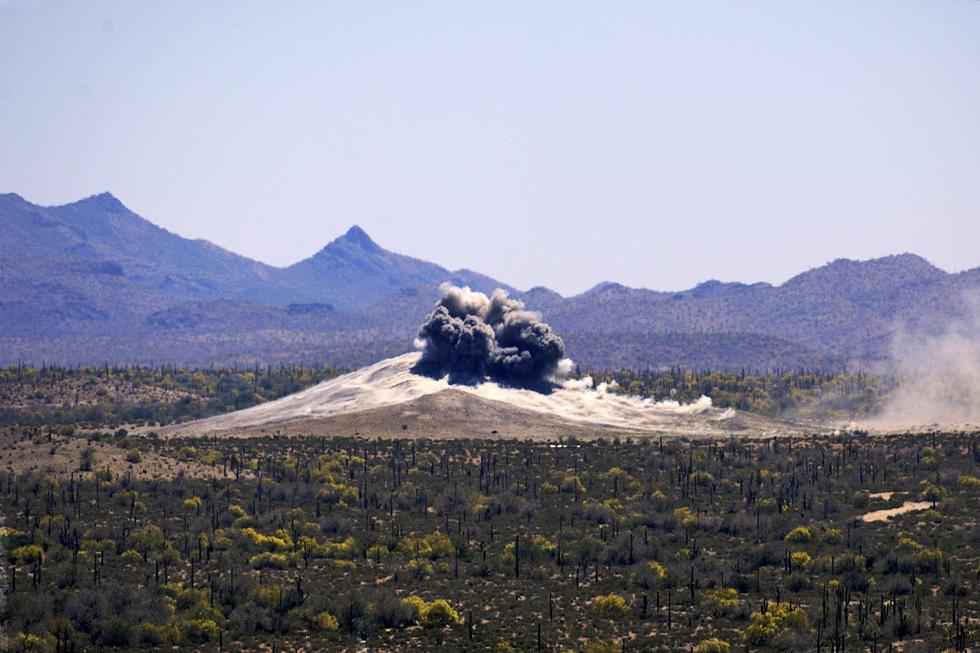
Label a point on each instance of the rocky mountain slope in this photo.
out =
(92, 281)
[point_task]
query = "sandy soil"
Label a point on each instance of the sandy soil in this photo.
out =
(888, 513)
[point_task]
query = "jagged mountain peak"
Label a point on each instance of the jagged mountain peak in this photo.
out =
(354, 272)
(358, 237)
(105, 201)
(353, 239)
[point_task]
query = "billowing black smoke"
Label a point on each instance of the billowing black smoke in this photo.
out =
(471, 337)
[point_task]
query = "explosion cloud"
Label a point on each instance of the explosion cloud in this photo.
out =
(471, 337)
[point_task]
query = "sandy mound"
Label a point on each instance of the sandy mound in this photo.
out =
(387, 398)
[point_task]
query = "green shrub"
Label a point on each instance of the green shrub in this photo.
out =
(416, 607)
(198, 631)
(269, 560)
(418, 568)
(158, 635)
(31, 643)
(776, 621)
(799, 535)
(610, 606)
(436, 614)
(713, 645)
(326, 622)
(721, 601)
(650, 575)
(439, 614)
(833, 536)
(28, 554)
(799, 560)
(970, 482)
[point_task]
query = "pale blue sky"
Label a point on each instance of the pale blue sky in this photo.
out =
(557, 144)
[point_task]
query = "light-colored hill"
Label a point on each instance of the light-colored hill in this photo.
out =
(388, 399)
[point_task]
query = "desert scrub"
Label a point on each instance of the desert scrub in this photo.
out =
(464, 502)
(685, 516)
(199, 631)
(280, 541)
(713, 645)
(151, 634)
(932, 492)
(721, 601)
(27, 554)
(799, 560)
(799, 535)
(439, 614)
(777, 622)
(417, 568)
(326, 622)
(534, 549)
(833, 535)
(968, 482)
(434, 546)
(31, 643)
(270, 560)
(435, 614)
(610, 606)
(650, 575)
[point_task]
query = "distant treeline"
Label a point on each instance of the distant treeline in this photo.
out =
(810, 393)
(55, 395)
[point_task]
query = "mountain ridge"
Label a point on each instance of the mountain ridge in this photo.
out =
(357, 236)
(94, 269)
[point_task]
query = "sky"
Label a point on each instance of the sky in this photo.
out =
(548, 143)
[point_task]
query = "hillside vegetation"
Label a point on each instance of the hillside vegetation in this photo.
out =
(816, 544)
(809, 396)
(91, 397)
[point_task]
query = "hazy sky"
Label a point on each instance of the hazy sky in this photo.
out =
(557, 144)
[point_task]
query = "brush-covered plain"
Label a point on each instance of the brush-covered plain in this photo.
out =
(323, 543)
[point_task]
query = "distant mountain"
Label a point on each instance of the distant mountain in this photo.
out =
(699, 351)
(847, 309)
(94, 266)
(98, 235)
(353, 272)
(92, 281)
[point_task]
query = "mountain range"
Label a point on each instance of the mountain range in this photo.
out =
(92, 282)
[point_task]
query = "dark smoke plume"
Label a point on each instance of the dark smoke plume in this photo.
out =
(471, 337)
